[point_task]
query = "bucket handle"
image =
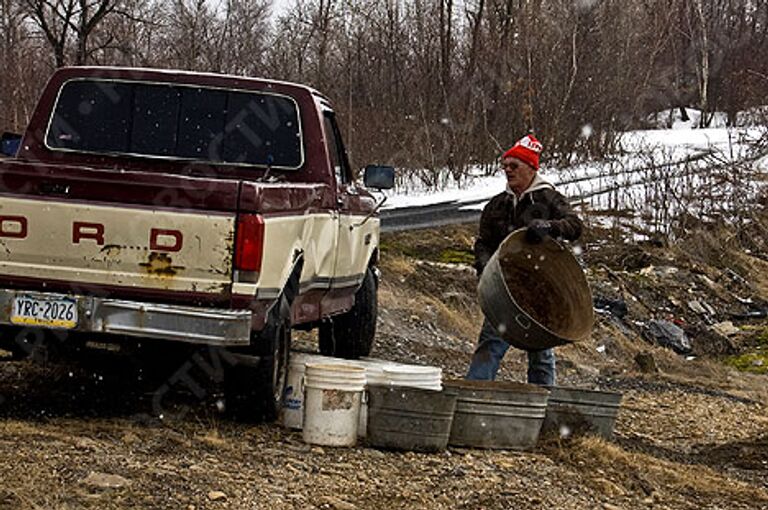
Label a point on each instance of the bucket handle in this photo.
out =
(523, 321)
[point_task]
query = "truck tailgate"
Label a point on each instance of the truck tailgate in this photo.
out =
(102, 231)
(113, 246)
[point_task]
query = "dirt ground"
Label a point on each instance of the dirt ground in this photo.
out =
(692, 431)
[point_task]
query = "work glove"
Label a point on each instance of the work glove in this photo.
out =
(538, 230)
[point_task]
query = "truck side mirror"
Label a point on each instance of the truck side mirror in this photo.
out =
(379, 177)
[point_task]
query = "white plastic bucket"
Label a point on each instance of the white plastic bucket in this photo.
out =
(415, 376)
(293, 401)
(293, 397)
(332, 403)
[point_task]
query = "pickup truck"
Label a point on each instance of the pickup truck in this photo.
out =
(171, 206)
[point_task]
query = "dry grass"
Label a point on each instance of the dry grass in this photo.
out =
(631, 471)
(398, 266)
(451, 319)
(462, 323)
(441, 293)
(757, 269)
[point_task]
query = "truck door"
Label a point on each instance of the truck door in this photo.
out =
(352, 253)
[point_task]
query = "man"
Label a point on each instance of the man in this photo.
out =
(532, 202)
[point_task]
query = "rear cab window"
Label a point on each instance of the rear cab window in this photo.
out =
(170, 121)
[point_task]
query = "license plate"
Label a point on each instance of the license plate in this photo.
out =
(50, 311)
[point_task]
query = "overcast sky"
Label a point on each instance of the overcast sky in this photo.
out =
(278, 6)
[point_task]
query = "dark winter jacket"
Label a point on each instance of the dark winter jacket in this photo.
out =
(506, 212)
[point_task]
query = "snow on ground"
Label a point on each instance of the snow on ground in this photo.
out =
(478, 188)
(673, 118)
(689, 140)
(658, 175)
(650, 155)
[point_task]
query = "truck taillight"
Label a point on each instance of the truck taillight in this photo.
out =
(249, 245)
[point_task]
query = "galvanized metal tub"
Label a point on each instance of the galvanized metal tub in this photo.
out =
(407, 418)
(493, 414)
(576, 410)
(536, 295)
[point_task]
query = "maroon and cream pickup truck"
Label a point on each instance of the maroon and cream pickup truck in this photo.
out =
(187, 207)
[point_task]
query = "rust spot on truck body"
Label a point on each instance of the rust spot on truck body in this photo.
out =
(160, 264)
(111, 250)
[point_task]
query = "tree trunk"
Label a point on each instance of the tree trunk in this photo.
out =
(703, 69)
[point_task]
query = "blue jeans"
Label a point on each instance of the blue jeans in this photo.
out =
(491, 348)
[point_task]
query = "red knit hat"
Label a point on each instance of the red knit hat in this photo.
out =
(527, 150)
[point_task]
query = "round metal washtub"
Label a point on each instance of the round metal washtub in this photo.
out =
(575, 410)
(406, 418)
(536, 295)
(492, 414)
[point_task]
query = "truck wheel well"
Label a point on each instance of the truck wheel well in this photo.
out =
(373, 265)
(291, 287)
(374, 260)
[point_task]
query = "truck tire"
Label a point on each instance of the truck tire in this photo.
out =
(255, 385)
(273, 370)
(350, 335)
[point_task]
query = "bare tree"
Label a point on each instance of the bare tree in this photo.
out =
(12, 35)
(62, 20)
(189, 35)
(241, 41)
(428, 85)
(130, 36)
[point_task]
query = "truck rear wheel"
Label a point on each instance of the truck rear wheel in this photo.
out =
(350, 335)
(256, 383)
(273, 371)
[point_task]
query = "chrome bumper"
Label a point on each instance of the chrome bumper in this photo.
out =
(151, 320)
